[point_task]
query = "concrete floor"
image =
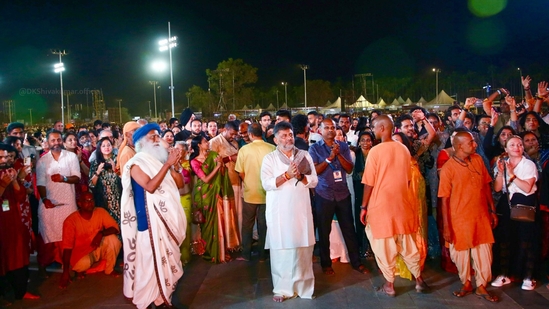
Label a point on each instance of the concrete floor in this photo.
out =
(248, 285)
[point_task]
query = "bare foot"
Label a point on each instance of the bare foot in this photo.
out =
(98, 267)
(241, 258)
(29, 295)
(279, 298)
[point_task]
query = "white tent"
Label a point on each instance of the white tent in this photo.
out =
(333, 107)
(441, 99)
(408, 102)
(381, 103)
(257, 107)
(421, 101)
(284, 106)
(271, 107)
(361, 103)
(401, 100)
(245, 107)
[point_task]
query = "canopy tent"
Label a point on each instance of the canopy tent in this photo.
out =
(270, 107)
(381, 103)
(401, 100)
(257, 106)
(284, 106)
(244, 108)
(336, 106)
(441, 99)
(421, 101)
(408, 102)
(361, 103)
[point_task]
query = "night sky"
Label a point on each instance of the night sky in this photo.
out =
(111, 45)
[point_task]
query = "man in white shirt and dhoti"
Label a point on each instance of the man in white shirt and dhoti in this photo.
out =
(153, 221)
(287, 174)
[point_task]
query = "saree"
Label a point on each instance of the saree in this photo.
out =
(417, 185)
(216, 200)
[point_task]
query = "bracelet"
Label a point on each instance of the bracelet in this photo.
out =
(499, 91)
(466, 109)
(363, 207)
(512, 110)
(328, 161)
(97, 174)
(512, 178)
(286, 176)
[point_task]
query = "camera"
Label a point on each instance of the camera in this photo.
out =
(107, 166)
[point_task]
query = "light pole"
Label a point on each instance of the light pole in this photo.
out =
(120, 110)
(30, 112)
(285, 92)
(520, 81)
(188, 99)
(304, 67)
(168, 44)
(149, 109)
(154, 83)
(59, 68)
(277, 100)
(436, 76)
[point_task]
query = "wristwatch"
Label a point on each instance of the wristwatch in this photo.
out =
(65, 179)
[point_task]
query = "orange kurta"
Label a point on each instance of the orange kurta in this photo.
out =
(469, 216)
(390, 210)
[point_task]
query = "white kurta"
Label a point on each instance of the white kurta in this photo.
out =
(50, 221)
(289, 215)
(290, 231)
(152, 259)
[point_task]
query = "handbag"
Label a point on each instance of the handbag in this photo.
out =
(519, 212)
(198, 217)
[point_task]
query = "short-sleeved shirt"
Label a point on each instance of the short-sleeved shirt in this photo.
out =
(78, 233)
(465, 185)
(327, 188)
(390, 208)
(249, 162)
(525, 169)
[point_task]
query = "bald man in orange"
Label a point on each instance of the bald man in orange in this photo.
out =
(387, 211)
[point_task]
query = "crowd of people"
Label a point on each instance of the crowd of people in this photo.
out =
(468, 188)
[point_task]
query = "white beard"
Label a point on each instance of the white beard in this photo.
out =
(156, 150)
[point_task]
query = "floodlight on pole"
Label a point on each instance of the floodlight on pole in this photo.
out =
(59, 68)
(168, 44)
(154, 83)
(285, 92)
(436, 87)
(304, 67)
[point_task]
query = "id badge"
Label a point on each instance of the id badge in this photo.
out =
(6, 205)
(337, 176)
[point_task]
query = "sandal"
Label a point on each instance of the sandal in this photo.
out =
(382, 290)
(488, 297)
(328, 270)
(462, 293)
(362, 269)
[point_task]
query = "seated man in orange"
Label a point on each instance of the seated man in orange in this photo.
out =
(89, 240)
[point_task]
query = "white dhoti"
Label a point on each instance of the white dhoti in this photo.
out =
(387, 249)
(482, 263)
(152, 258)
(292, 272)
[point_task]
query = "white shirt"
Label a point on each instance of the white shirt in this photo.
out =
(50, 223)
(288, 214)
(352, 138)
(525, 169)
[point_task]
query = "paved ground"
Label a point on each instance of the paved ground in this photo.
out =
(248, 285)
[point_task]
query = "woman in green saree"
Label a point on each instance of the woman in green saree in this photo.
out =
(212, 195)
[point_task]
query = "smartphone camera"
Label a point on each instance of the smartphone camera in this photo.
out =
(108, 166)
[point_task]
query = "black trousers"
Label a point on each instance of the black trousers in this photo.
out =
(325, 210)
(17, 279)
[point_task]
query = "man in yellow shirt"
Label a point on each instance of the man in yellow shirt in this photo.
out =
(248, 166)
